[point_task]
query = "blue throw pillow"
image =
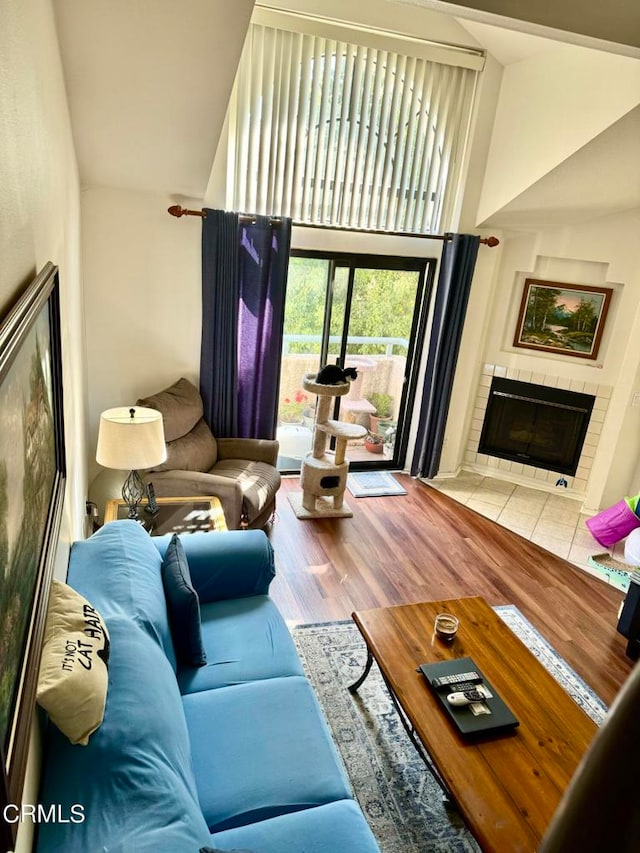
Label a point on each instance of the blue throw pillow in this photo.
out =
(183, 606)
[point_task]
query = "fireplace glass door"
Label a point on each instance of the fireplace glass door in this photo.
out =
(538, 426)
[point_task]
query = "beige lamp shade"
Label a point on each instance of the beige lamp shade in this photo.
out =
(131, 438)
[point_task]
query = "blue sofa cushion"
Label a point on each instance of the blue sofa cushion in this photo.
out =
(183, 606)
(337, 827)
(272, 751)
(119, 571)
(245, 639)
(135, 778)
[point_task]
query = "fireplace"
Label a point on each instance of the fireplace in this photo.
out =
(536, 425)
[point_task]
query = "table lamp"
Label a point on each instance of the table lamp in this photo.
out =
(131, 438)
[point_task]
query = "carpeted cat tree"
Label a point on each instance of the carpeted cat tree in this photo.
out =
(323, 476)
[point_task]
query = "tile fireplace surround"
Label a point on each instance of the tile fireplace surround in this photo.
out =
(517, 471)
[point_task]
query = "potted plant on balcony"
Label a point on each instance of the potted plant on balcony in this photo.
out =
(373, 442)
(381, 419)
(291, 408)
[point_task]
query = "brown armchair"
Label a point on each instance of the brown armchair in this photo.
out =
(241, 472)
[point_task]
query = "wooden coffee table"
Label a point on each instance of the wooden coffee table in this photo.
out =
(506, 787)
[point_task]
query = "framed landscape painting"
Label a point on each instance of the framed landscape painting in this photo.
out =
(566, 319)
(32, 477)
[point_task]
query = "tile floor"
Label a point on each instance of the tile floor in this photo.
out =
(551, 519)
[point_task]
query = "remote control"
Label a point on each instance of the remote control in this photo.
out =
(460, 699)
(152, 504)
(458, 678)
(463, 686)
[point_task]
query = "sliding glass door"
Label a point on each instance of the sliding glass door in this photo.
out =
(366, 312)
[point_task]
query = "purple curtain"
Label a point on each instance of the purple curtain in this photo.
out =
(243, 319)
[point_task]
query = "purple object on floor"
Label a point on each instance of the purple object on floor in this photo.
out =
(613, 524)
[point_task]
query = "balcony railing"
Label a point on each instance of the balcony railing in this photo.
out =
(388, 343)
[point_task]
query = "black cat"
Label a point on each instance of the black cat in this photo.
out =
(331, 374)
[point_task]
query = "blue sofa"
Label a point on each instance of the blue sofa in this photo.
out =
(234, 755)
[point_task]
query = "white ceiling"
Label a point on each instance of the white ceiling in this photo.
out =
(600, 179)
(613, 26)
(507, 46)
(149, 83)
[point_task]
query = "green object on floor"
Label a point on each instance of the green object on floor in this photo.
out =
(613, 571)
(632, 503)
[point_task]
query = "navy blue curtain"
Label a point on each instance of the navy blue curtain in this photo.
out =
(244, 278)
(219, 344)
(452, 295)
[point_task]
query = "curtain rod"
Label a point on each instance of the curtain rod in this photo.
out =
(178, 211)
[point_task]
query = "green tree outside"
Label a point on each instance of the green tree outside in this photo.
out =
(382, 305)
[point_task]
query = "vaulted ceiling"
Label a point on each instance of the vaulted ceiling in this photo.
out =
(615, 24)
(149, 83)
(601, 178)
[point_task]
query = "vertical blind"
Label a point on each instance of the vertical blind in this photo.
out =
(335, 133)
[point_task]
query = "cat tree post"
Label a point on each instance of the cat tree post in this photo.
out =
(323, 475)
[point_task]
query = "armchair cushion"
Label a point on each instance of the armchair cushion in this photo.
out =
(195, 451)
(258, 482)
(253, 449)
(180, 405)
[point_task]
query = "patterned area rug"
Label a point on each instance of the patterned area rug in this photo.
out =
(402, 803)
(373, 484)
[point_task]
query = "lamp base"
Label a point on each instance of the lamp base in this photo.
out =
(132, 493)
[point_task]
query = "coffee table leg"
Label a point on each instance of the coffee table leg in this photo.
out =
(352, 688)
(405, 723)
(417, 743)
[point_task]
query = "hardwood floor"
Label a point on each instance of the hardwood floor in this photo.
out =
(425, 546)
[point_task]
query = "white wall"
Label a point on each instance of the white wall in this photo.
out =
(550, 105)
(39, 222)
(142, 272)
(39, 214)
(604, 252)
(142, 282)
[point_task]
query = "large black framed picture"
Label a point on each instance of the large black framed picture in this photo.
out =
(32, 478)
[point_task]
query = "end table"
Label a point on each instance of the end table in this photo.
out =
(175, 515)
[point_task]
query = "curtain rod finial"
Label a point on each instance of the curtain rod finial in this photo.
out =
(491, 242)
(178, 210)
